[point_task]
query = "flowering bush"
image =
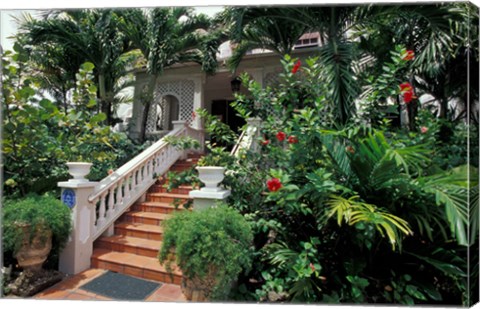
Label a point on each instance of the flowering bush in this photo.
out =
(335, 209)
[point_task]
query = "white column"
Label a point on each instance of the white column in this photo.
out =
(198, 100)
(75, 257)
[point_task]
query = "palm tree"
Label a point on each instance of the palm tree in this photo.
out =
(76, 36)
(164, 37)
(442, 37)
(356, 34)
(250, 28)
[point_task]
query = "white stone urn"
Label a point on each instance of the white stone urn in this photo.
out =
(79, 170)
(211, 176)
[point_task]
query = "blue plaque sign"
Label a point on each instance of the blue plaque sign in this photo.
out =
(68, 198)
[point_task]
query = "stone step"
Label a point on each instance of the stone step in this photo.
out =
(144, 217)
(167, 197)
(139, 230)
(180, 190)
(157, 207)
(134, 245)
(134, 265)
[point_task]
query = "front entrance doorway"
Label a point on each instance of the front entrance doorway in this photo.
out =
(227, 114)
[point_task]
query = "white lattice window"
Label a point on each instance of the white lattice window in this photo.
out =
(159, 115)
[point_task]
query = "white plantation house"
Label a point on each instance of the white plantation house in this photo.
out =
(184, 88)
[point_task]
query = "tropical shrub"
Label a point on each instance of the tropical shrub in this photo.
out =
(359, 213)
(39, 138)
(217, 238)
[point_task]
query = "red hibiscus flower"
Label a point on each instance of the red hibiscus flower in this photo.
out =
(407, 96)
(350, 149)
(292, 139)
(407, 90)
(408, 55)
(281, 136)
(405, 87)
(265, 142)
(274, 184)
(296, 67)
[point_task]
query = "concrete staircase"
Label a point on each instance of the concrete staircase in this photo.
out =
(133, 248)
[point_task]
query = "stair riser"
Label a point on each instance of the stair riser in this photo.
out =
(161, 189)
(137, 271)
(138, 234)
(135, 219)
(166, 199)
(155, 209)
(112, 246)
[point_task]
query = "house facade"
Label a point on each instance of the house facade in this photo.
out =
(184, 88)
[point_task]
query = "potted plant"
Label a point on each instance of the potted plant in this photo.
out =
(34, 228)
(211, 247)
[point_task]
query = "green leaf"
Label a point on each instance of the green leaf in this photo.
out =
(98, 118)
(87, 66)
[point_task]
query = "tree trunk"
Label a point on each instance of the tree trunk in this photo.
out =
(105, 105)
(146, 99)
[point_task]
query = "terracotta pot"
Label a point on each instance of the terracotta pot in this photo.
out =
(33, 252)
(196, 289)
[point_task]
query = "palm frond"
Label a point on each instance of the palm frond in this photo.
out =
(352, 211)
(450, 189)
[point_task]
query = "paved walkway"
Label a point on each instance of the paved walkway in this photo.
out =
(70, 289)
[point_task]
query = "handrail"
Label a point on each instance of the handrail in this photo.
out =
(109, 181)
(116, 193)
(248, 138)
(236, 148)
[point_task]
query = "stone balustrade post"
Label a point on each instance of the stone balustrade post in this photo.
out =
(178, 124)
(255, 124)
(76, 255)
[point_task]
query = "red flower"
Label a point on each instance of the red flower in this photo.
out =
(265, 142)
(274, 184)
(350, 149)
(408, 55)
(407, 90)
(405, 87)
(407, 96)
(424, 130)
(292, 139)
(281, 136)
(296, 67)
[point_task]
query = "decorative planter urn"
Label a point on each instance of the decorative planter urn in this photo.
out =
(211, 176)
(79, 170)
(33, 252)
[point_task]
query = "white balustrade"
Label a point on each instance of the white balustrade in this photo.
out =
(135, 178)
(249, 138)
